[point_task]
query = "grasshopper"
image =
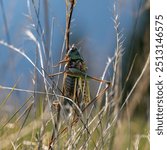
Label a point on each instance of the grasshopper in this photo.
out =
(75, 87)
(75, 81)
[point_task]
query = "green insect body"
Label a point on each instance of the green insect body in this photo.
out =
(75, 84)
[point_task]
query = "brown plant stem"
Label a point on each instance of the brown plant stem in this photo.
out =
(68, 24)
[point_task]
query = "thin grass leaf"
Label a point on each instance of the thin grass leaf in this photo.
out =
(25, 111)
(20, 52)
(25, 90)
(26, 117)
(5, 21)
(16, 112)
(106, 131)
(7, 97)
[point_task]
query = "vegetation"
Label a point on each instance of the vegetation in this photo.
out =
(116, 118)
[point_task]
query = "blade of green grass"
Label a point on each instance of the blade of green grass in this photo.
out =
(16, 112)
(7, 97)
(26, 117)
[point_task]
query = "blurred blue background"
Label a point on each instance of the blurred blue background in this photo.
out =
(92, 30)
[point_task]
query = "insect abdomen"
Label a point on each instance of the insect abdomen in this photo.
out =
(69, 86)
